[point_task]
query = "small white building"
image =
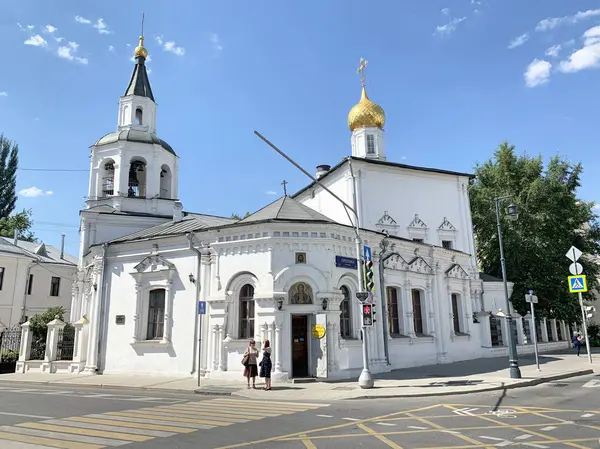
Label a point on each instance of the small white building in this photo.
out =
(33, 277)
(176, 293)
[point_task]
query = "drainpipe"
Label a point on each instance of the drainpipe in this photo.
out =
(28, 272)
(102, 300)
(198, 320)
(62, 246)
(383, 256)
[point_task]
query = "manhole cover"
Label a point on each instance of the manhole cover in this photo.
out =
(559, 385)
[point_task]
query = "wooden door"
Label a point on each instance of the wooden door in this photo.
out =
(299, 346)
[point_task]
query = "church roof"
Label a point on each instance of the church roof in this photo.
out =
(134, 135)
(139, 84)
(286, 209)
(383, 163)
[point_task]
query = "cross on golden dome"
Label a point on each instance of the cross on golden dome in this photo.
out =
(361, 69)
(365, 114)
(140, 50)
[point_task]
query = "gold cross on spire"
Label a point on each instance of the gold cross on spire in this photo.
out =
(361, 70)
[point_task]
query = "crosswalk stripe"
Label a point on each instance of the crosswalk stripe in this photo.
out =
(279, 408)
(92, 419)
(289, 404)
(250, 409)
(250, 414)
(18, 445)
(221, 414)
(123, 433)
(64, 436)
(46, 442)
(207, 415)
(179, 421)
(89, 432)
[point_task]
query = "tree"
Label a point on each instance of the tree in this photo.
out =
(21, 222)
(238, 217)
(9, 161)
(551, 219)
(38, 324)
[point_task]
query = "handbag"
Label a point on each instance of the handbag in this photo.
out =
(245, 359)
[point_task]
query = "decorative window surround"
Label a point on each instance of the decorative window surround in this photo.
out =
(151, 273)
(447, 232)
(387, 224)
(417, 229)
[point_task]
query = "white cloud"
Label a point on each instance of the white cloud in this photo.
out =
(34, 192)
(554, 51)
(537, 73)
(83, 20)
(446, 11)
(170, 46)
(553, 22)
(587, 56)
(450, 27)
(3, 94)
(100, 25)
(111, 48)
(67, 52)
(25, 28)
(270, 192)
(36, 41)
(50, 29)
(215, 41)
(59, 39)
(518, 41)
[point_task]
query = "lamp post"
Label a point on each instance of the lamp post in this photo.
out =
(365, 380)
(513, 358)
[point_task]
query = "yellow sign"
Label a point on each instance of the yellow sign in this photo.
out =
(318, 331)
(578, 284)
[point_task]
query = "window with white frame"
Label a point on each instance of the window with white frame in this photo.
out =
(247, 311)
(345, 315)
(370, 144)
(417, 306)
(156, 314)
(393, 311)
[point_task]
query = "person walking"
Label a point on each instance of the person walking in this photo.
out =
(577, 339)
(249, 360)
(266, 365)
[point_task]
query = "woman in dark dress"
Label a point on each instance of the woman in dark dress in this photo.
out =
(266, 365)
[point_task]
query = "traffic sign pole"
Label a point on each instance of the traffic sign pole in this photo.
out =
(531, 299)
(574, 254)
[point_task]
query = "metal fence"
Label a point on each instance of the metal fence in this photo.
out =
(66, 343)
(10, 342)
(38, 348)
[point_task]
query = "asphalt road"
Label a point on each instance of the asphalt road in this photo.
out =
(556, 415)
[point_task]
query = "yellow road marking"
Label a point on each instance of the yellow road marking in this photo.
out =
(129, 424)
(457, 435)
(47, 442)
(564, 421)
(548, 438)
(87, 432)
(307, 443)
(169, 418)
(381, 438)
(278, 405)
(245, 408)
(324, 429)
(290, 404)
(473, 446)
(201, 413)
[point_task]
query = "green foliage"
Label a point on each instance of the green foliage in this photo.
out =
(9, 161)
(238, 217)
(593, 331)
(551, 219)
(22, 222)
(39, 323)
(9, 355)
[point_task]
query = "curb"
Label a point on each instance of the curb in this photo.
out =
(526, 383)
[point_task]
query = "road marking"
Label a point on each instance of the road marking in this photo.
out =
(18, 445)
(307, 443)
(385, 424)
(100, 429)
(163, 420)
(438, 427)
(325, 416)
(46, 442)
(535, 445)
(351, 419)
(26, 416)
(587, 415)
(546, 429)
(136, 425)
(417, 427)
(65, 436)
(450, 431)
(381, 438)
(465, 411)
(591, 384)
(87, 432)
(483, 437)
(287, 404)
(207, 416)
(523, 437)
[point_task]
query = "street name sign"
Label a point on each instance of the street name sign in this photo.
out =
(578, 284)
(531, 298)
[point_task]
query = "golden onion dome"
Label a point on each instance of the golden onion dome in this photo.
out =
(140, 50)
(366, 114)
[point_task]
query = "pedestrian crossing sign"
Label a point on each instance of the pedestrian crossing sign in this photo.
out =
(578, 284)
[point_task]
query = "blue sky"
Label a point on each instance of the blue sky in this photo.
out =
(455, 77)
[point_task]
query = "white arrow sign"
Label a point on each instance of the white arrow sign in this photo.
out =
(592, 384)
(465, 411)
(575, 268)
(573, 254)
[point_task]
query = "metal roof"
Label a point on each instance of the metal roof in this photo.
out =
(286, 209)
(134, 135)
(39, 251)
(139, 84)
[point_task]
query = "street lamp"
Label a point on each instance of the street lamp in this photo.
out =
(513, 358)
(365, 380)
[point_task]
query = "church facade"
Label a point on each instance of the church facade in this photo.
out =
(168, 292)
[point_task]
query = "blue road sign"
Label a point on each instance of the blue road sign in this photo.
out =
(578, 284)
(367, 252)
(201, 307)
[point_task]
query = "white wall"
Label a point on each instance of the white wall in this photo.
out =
(40, 300)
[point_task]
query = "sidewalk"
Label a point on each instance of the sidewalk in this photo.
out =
(435, 380)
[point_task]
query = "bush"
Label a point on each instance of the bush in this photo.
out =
(593, 331)
(39, 323)
(9, 355)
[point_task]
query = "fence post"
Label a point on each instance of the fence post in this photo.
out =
(80, 345)
(25, 349)
(55, 328)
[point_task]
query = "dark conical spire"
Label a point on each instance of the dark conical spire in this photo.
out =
(140, 83)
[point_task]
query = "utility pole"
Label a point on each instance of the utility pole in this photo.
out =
(532, 299)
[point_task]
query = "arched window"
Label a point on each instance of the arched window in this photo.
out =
(417, 312)
(247, 311)
(156, 314)
(136, 187)
(139, 116)
(456, 311)
(345, 316)
(393, 310)
(165, 182)
(108, 178)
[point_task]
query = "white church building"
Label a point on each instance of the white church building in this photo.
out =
(167, 292)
